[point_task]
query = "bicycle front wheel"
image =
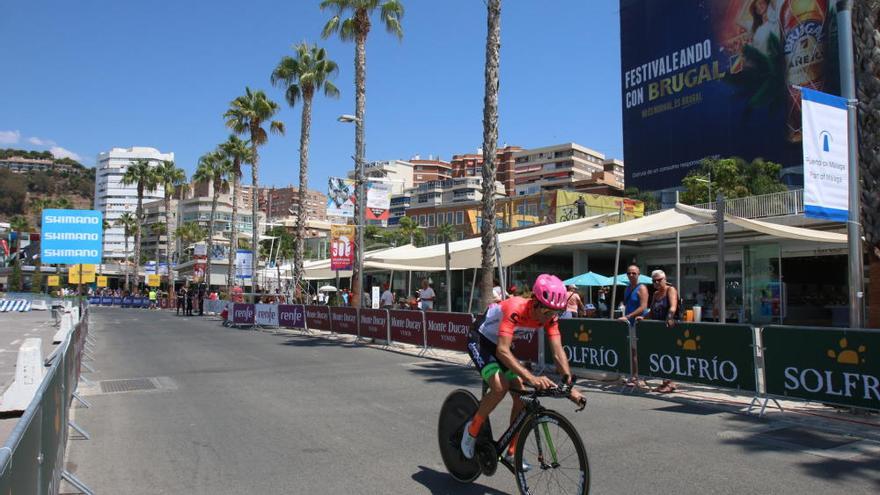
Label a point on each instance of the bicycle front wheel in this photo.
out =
(550, 457)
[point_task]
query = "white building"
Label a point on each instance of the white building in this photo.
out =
(113, 199)
(398, 172)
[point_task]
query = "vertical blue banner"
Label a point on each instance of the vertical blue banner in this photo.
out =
(72, 237)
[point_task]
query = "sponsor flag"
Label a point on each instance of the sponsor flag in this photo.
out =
(340, 197)
(826, 156)
(341, 247)
(378, 200)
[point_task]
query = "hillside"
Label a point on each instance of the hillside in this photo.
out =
(17, 191)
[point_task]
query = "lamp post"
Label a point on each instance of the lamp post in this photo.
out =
(707, 181)
(358, 273)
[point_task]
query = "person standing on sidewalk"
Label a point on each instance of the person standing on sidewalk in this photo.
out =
(664, 307)
(181, 298)
(635, 301)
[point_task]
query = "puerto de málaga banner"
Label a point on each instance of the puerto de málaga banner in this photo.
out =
(710, 78)
(826, 156)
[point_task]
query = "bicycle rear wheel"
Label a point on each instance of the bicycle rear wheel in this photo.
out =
(457, 409)
(557, 460)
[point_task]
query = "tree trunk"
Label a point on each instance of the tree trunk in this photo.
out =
(233, 242)
(255, 224)
(127, 258)
(866, 43)
(490, 140)
(305, 131)
(169, 280)
(137, 233)
(360, 145)
(216, 197)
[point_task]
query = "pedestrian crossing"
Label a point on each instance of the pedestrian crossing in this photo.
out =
(11, 305)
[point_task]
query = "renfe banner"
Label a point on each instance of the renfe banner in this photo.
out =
(448, 330)
(407, 327)
(720, 355)
(710, 78)
(594, 344)
(291, 316)
(344, 320)
(826, 156)
(373, 323)
(830, 365)
(72, 237)
(317, 317)
(243, 314)
(266, 315)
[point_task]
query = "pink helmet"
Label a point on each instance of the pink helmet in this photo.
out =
(549, 291)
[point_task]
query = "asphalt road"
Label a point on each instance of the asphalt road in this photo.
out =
(240, 411)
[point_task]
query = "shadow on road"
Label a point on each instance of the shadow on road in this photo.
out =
(441, 483)
(316, 342)
(435, 372)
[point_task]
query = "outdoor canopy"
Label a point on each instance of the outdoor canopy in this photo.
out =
(589, 279)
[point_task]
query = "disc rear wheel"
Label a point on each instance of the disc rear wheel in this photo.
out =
(457, 409)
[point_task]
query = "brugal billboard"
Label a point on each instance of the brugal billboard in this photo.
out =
(715, 78)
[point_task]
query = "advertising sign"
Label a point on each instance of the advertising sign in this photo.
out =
(344, 320)
(341, 247)
(826, 156)
(373, 323)
(219, 252)
(291, 316)
(72, 237)
(53, 281)
(595, 204)
(378, 200)
(81, 274)
(374, 299)
(448, 330)
(594, 344)
(266, 315)
(200, 249)
(244, 263)
(828, 365)
(317, 317)
(407, 326)
(154, 280)
(102, 281)
(714, 78)
(715, 354)
(340, 197)
(243, 314)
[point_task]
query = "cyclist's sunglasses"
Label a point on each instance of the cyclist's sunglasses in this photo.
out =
(547, 312)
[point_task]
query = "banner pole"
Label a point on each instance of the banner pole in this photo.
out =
(721, 292)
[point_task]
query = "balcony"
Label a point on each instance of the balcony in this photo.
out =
(763, 206)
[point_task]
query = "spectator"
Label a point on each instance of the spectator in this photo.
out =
(426, 296)
(512, 291)
(603, 302)
(152, 296)
(201, 299)
(181, 298)
(635, 302)
(345, 297)
(188, 301)
(387, 299)
(581, 207)
(573, 305)
(497, 291)
(664, 306)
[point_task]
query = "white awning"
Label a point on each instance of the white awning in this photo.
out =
(772, 229)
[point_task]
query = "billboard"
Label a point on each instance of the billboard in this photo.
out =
(340, 197)
(81, 274)
(378, 200)
(71, 237)
(568, 202)
(244, 264)
(718, 78)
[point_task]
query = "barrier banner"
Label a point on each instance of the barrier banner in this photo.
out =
(291, 315)
(95, 300)
(266, 315)
(829, 365)
(407, 326)
(117, 301)
(344, 320)
(107, 301)
(214, 306)
(243, 314)
(715, 354)
(448, 330)
(525, 346)
(373, 323)
(317, 317)
(126, 302)
(594, 344)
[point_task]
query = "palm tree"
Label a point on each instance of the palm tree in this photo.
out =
(129, 225)
(214, 168)
(445, 232)
(105, 224)
(866, 33)
(143, 175)
(357, 27)
(172, 179)
(238, 152)
(190, 233)
(410, 231)
(17, 224)
(490, 141)
(301, 77)
(247, 114)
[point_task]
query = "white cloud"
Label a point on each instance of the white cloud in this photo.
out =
(41, 142)
(60, 152)
(9, 137)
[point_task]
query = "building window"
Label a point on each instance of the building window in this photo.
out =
(459, 217)
(430, 220)
(423, 221)
(449, 217)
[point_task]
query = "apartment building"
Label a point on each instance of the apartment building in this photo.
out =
(471, 165)
(284, 201)
(430, 169)
(555, 167)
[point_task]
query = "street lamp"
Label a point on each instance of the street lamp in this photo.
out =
(359, 220)
(707, 181)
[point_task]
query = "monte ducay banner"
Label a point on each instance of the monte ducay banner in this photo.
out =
(830, 365)
(407, 326)
(721, 355)
(448, 330)
(373, 323)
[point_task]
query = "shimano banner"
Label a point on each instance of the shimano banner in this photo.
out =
(72, 237)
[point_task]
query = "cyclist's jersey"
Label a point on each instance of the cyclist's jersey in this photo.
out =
(511, 316)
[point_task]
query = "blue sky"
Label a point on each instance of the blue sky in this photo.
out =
(82, 77)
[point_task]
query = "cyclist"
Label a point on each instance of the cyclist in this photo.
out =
(489, 348)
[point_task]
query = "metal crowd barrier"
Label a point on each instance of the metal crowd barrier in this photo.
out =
(32, 458)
